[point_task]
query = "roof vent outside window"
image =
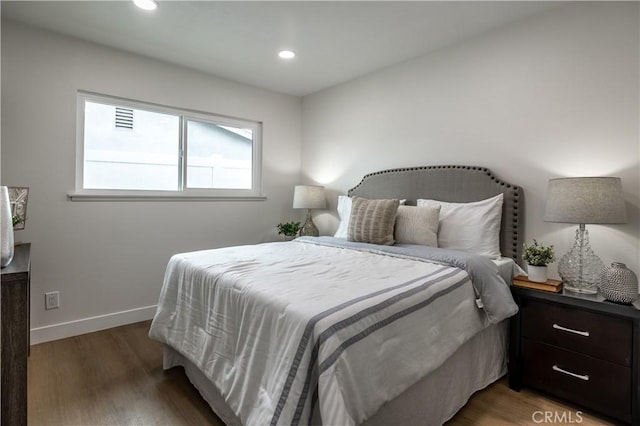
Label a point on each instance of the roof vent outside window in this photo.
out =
(124, 118)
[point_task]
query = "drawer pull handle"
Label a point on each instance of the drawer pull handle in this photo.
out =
(570, 330)
(584, 377)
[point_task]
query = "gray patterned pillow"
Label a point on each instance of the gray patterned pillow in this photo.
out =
(372, 221)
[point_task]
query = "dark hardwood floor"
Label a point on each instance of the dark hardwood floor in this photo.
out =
(115, 377)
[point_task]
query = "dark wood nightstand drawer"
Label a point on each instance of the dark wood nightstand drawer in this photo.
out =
(594, 383)
(593, 334)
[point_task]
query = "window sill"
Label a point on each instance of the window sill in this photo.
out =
(80, 196)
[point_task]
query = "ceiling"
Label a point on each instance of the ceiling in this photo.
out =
(238, 40)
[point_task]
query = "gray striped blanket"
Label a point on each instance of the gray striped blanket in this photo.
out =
(282, 329)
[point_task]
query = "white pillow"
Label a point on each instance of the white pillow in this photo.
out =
(472, 227)
(417, 225)
(344, 212)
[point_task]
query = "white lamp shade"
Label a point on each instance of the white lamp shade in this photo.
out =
(309, 197)
(585, 200)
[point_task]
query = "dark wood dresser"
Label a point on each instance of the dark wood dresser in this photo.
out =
(581, 348)
(14, 329)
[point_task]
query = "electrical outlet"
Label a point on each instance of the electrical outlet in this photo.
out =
(52, 300)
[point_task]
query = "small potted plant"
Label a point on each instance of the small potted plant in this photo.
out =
(537, 258)
(288, 229)
(16, 220)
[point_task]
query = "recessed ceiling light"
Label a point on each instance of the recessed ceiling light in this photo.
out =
(287, 54)
(146, 4)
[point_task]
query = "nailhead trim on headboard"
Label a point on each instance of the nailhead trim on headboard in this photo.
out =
(514, 191)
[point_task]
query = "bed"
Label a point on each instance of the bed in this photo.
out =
(333, 331)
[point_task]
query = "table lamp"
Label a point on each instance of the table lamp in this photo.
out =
(584, 200)
(309, 197)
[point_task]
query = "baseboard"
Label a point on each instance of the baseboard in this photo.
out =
(89, 325)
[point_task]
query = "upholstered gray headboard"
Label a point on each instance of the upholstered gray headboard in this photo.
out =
(456, 184)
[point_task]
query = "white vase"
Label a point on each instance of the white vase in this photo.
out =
(6, 228)
(537, 274)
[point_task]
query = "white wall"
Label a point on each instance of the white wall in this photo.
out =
(109, 257)
(555, 95)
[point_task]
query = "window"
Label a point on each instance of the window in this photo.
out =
(132, 149)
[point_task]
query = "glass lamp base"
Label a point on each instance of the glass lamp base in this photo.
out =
(580, 268)
(309, 229)
(583, 290)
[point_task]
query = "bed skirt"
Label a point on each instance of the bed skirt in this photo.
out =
(432, 401)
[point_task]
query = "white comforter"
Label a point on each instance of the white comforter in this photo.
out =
(281, 327)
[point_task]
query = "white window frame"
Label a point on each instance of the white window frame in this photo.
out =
(82, 194)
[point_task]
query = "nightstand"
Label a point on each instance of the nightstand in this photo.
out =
(577, 347)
